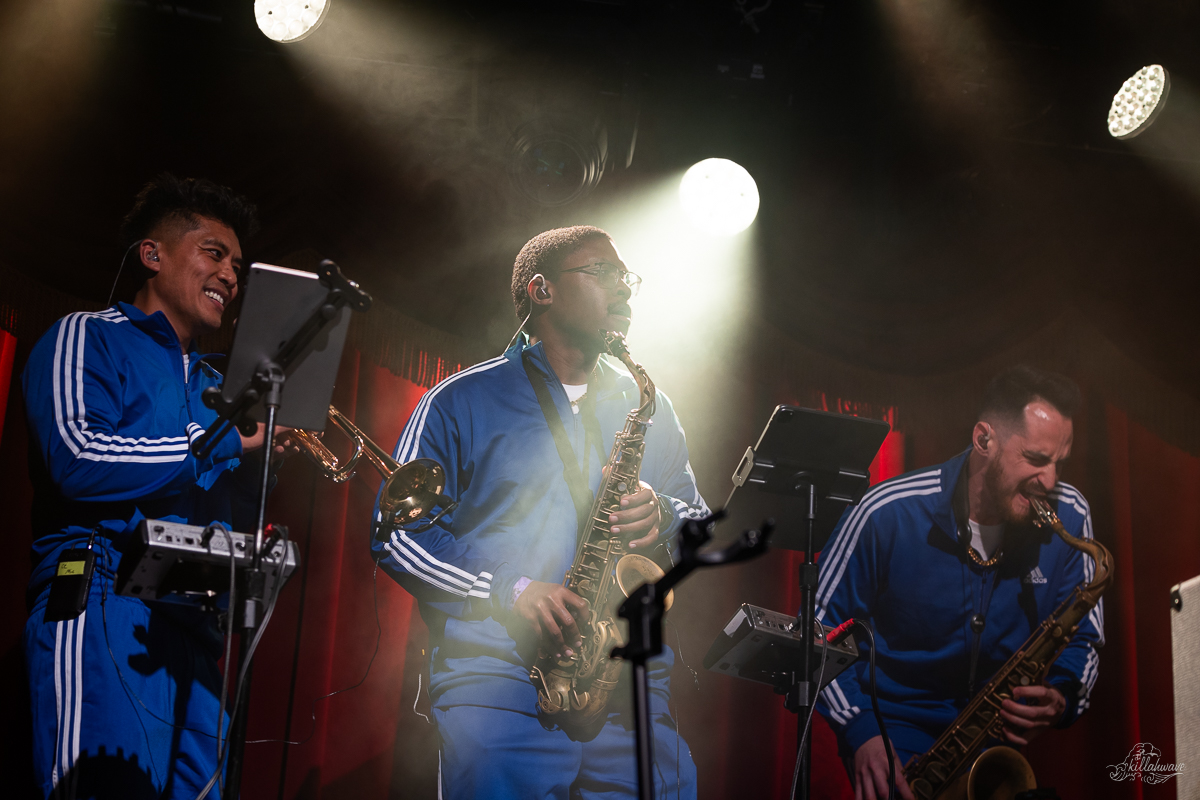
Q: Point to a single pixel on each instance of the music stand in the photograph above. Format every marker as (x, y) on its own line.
(293, 328)
(823, 459)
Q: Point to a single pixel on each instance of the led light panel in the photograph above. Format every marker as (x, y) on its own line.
(1138, 101)
(289, 20)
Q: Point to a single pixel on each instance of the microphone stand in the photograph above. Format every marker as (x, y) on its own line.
(267, 385)
(645, 608)
(802, 694)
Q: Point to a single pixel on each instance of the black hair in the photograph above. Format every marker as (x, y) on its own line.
(544, 253)
(169, 199)
(1008, 393)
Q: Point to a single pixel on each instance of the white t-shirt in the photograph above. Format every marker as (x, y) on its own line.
(985, 539)
(574, 392)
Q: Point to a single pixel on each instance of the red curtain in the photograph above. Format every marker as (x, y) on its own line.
(323, 633)
(8, 351)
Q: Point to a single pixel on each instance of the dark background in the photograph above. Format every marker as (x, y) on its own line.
(936, 178)
(940, 198)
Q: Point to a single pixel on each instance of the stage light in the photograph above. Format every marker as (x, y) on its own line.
(719, 196)
(554, 160)
(289, 20)
(1138, 102)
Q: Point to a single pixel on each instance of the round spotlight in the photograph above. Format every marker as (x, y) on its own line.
(1138, 101)
(719, 196)
(553, 160)
(289, 20)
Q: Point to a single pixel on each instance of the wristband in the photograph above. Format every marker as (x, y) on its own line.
(519, 587)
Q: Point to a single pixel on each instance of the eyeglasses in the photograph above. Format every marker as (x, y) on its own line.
(607, 275)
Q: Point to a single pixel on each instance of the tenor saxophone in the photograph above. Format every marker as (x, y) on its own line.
(957, 766)
(575, 689)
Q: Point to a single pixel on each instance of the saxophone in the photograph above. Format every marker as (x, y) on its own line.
(1000, 773)
(575, 689)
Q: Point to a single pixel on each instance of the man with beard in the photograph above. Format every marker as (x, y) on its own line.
(488, 575)
(947, 565)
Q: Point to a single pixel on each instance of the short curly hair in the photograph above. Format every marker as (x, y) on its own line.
(168, 199)
(1008, 393)
(544, 253)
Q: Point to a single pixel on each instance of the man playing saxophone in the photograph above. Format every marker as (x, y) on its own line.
(947, 565)
(523, 438)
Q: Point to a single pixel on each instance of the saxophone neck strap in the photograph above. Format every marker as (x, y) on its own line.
(576, 480)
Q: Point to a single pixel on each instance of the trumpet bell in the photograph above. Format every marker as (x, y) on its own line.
(412, 491)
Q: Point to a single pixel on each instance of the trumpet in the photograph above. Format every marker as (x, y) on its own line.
(409, 490)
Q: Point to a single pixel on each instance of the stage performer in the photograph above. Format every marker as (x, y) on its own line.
(489, 575)
(125, 693)
(946, 564)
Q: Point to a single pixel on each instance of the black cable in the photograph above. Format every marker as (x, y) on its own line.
(378, 638)
(120, 268)
(228, 642)
(130, 694)
(811, 708)
(243, 670)
(678, 719)
(887, 741)
(682, 657)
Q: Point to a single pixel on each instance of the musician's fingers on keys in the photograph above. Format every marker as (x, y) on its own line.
(1026, 721)
(639, 518)
(552, 609)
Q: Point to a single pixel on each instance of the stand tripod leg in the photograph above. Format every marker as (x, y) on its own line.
(237, 729)
(806, 690)
(641, 713)
(255, 581)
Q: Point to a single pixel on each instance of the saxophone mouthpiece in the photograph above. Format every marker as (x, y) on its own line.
(1043, 514)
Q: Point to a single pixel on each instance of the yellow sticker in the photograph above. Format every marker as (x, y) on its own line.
(71, 568)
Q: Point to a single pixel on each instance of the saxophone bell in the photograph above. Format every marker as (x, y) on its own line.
(633, 570)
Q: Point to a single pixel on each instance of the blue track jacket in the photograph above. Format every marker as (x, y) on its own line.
(515, 516)
(896, 559)
(113, 405)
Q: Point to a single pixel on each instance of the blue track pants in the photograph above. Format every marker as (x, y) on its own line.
(494, 754)
(95, 733)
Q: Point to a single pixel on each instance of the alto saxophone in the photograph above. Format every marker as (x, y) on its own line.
(1000, 773)
(575, 689)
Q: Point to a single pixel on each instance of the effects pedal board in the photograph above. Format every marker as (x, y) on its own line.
(764, 646)
(190, 560)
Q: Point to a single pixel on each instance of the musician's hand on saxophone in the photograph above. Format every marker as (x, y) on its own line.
(871, 772)
(1024, 723)
(553, 610)
(639, 519)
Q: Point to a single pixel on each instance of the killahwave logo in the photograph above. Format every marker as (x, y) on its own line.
(1142, 764)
